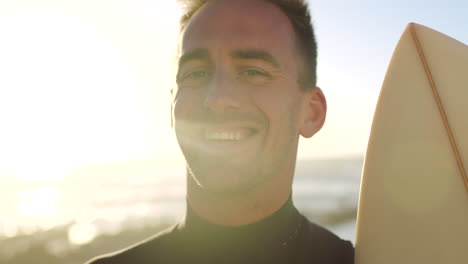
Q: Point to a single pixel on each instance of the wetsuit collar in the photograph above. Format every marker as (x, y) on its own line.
(275, 232)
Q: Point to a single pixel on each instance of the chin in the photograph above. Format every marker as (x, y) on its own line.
(224, 180)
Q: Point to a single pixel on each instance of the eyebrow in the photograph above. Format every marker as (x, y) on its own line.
(196, 54)
(254, 54)
(245, 54)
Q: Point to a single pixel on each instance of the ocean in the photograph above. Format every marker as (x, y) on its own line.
(108, 199)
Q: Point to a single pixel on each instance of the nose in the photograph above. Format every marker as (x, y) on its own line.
(222, 95)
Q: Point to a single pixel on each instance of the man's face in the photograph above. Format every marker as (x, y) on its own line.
(238, 107)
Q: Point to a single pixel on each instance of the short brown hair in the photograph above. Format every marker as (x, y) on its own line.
(298, 13)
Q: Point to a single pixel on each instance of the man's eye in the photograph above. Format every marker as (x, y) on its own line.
(253, 73)
(196, 75)
(254, 76)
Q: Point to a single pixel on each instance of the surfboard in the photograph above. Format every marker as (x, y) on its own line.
(413, 204)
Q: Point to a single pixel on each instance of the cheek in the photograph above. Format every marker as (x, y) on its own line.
(282, 111)
(178, 110)
(272, 107)
(275, 102)
(184, 103)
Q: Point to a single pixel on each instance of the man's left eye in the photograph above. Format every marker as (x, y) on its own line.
(253, 73)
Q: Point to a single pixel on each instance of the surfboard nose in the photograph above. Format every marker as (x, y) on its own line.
(413, 204)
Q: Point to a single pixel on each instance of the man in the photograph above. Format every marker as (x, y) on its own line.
(246, 91)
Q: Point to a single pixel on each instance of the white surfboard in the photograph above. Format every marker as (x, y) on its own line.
(413, 205)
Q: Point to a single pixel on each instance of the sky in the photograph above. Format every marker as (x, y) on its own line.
(87, 82)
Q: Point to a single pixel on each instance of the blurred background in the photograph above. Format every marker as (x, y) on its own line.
(88, 161)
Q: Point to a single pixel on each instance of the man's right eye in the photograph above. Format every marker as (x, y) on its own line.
(198, 74)
(194, 75)
(194, 78)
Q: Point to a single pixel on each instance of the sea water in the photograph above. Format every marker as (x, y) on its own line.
(110, 198)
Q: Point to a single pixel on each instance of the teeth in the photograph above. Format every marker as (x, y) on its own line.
(226, 136)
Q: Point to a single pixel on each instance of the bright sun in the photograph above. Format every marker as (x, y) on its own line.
(74, 90)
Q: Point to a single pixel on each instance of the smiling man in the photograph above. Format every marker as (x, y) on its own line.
(246, 91)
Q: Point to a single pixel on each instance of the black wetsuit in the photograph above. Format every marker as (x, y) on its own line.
(284, 237)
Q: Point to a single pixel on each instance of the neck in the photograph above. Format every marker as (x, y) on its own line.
(240, 209)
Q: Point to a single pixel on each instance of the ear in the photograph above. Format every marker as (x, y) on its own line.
(314, 111)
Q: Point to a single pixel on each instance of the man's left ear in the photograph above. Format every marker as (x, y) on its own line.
(313, 113)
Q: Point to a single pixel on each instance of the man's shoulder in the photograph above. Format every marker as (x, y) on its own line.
(324, 246)
(142, 251)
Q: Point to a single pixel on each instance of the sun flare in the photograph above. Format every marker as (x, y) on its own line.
(76, 91)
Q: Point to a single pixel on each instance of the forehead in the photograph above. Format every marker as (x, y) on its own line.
(236, 24)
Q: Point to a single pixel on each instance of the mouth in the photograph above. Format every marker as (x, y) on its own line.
(229, 134)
